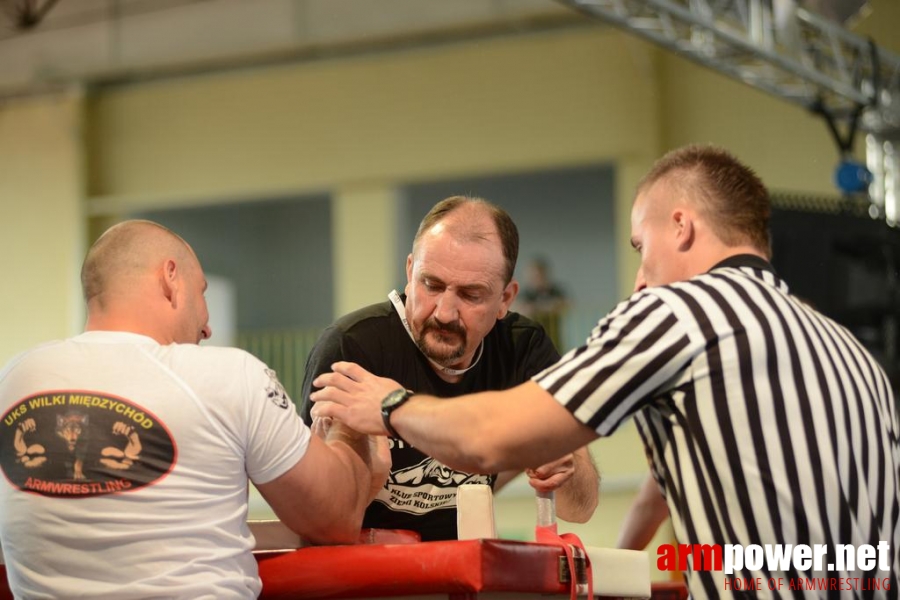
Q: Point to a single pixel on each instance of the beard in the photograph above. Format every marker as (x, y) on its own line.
(451, 338)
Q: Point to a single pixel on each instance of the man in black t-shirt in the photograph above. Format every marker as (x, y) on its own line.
(450, 334)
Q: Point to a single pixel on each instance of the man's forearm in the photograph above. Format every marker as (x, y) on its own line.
(358, 458)
(450, 430)
(577, 498)
(647, 512)
(357, 442)
(490, 432)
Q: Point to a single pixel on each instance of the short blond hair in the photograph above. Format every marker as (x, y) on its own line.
(728, 193)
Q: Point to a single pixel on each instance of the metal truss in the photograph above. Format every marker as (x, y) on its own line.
(789, 52)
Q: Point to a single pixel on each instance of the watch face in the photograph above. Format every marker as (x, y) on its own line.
(394, 398)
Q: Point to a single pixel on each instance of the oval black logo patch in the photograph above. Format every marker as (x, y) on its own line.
(75, 444)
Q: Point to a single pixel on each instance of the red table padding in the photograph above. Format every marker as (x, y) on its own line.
(372, 570)
(668, 590)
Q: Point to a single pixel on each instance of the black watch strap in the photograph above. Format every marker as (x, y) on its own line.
(392, 402)
(386, 417)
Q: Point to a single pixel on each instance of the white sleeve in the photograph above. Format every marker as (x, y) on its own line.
(276, 436)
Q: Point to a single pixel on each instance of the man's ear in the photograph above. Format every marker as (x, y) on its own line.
(684, 229)
(509, 294)
(409, 268)
(169, 282)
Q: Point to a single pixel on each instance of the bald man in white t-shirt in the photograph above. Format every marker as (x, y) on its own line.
(128, 450)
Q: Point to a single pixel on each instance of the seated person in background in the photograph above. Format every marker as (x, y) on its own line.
(127, 449)
(452, 334)
(543, 300)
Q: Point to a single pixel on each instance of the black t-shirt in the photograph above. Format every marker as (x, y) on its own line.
(420, 493)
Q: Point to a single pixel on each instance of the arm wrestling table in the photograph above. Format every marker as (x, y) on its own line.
(485, 569)
(453, 570)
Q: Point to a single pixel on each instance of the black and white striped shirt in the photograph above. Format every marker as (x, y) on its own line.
(765, 422)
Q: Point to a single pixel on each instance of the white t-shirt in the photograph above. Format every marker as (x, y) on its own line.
(126, 467)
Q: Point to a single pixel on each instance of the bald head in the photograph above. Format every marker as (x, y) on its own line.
(126, 252)
(142, 278)
(469, 219)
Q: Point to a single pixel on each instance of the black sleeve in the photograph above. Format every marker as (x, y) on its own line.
(332, 346)
(540, 353)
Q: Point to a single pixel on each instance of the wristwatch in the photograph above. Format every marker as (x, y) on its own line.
(392, 402)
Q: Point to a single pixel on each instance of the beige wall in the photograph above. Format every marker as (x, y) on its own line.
(496, 106)
(880, 23)
(41, 220)
(787, 145)
(367, 215)
(501, 105)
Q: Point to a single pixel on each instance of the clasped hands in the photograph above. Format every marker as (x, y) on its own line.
(352, 395)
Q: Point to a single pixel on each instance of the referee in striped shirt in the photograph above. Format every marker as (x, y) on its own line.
(765, 422)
